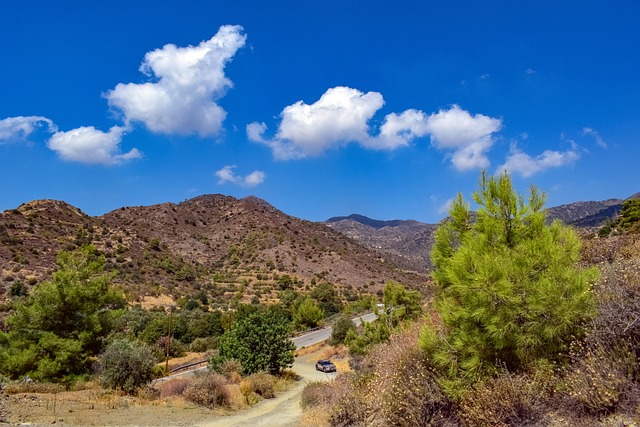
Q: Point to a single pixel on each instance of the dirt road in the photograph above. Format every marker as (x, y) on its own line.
(282, 411)
(91, 408)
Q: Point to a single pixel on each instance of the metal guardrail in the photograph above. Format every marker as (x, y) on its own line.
(191, 365)
(187, 366)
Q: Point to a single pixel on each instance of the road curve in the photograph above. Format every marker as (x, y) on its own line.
(301, 341)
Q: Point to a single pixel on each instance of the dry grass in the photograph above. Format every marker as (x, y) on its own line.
(311, 349)
(315, 417)
(32, 387)
(175, 387)
(162, 300)
(506, 400)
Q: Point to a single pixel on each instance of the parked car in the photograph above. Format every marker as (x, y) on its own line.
(325, 366)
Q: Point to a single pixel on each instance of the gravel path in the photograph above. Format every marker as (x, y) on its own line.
(282, 411)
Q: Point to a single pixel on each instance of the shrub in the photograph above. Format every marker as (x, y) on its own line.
(209, 390)
(263, 384)
(316, 393)
(505, 400)
(148, 393)
(599, 379)
(126, 365)
(200, 345)
(405, 386)
(231, 369)
(340, 328)
(350, 405)
(174, 387)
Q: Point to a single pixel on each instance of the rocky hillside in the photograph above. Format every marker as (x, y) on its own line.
(214, 245)
(412, 240)
(409, 240)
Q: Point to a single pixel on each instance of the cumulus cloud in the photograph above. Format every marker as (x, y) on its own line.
(340, 116)
(89, 145)
(398, 130)
(591, 132)
(19, 128)
(526, 165)
(185, 84)
(226, 174)
(467, 138)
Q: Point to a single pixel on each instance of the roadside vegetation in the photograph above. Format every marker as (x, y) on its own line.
(78, 331)
(530, 325)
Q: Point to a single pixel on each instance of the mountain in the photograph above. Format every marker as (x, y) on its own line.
(586, 214)
(215, 245)
(411, 241)
(408, 240)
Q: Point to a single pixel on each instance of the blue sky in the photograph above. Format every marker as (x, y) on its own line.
(386, 109)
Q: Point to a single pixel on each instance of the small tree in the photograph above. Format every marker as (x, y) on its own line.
(308, 314)
(509, 289)
(63, 323)
(126, 365)
(259, 340)
(341, 328)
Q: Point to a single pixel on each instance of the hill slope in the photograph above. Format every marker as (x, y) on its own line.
(213, 244)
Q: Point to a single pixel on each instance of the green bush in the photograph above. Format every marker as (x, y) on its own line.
(126, 365)
(259, 340)
(341, 328)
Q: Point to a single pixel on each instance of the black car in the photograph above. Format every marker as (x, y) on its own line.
(325, 366)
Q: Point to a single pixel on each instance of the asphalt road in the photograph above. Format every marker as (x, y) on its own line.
(320, 335)
(305, 340)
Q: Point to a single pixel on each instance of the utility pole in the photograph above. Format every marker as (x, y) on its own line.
(168, 345)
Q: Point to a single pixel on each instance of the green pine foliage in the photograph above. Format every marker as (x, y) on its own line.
(259, 340)
(55, 331)
(509, 289)
(629, 219)
(308, 314)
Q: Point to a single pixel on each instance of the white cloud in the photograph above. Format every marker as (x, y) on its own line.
(19, 128)
(398, 130)
(186, 83)
(526, 165)
(226, 174)
(91, 146)
(591, 132)
(468, 137)
(339, 117)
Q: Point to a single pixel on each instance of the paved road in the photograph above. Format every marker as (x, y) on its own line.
(320, 335)
(305, 340)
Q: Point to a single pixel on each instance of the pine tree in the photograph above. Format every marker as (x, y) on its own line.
(510, 291)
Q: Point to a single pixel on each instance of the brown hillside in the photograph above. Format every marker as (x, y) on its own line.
(214, 245)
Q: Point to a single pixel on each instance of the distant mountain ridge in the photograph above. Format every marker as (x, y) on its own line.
(412, 240)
